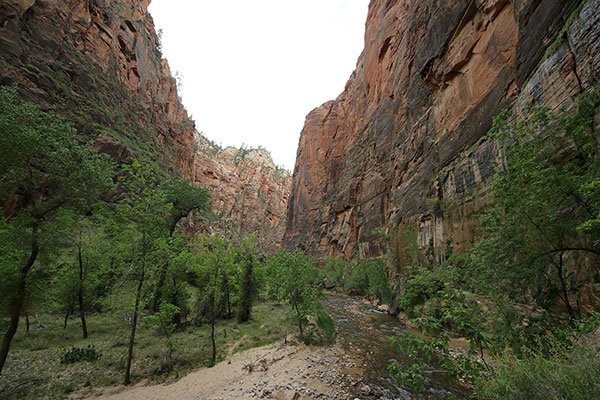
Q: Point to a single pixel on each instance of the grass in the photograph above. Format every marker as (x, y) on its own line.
(570, 375)
(33, 368)
(325, 332)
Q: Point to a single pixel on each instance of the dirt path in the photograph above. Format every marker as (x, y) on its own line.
(278, 372)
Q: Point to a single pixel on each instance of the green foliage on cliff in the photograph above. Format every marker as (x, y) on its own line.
(535, 244)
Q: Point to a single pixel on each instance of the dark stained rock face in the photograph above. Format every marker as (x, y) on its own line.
(404, 146)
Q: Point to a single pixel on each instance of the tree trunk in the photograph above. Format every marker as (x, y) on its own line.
(162, 275)
(299, 320)
(133, 326)
(564, 289)
(67, 318)
(177, 318)
(228, 301)
(248, 293)
(15, 307)
(26, 322)
(80, 296)
(212, 327)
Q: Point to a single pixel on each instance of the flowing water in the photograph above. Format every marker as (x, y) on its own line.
(364, 335)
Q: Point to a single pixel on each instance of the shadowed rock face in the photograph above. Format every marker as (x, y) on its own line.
(249, 193)
(98, 63)
(404, 147)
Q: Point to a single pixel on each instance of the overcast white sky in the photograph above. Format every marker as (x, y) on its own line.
(252, 70)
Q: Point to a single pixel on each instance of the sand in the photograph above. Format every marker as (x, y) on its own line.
(277, 371)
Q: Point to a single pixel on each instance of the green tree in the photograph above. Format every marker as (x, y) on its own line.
(83, 272)
(246, 257)
(142, 213)
(185, 198)
(44, 170)
(214, 257)
(534, 239)
(65, 290)
(87, 260)
(336, 271)
(291, 279)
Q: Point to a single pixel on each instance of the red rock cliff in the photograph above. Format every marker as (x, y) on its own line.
(403, 147)
(249, 193)
(98, 63)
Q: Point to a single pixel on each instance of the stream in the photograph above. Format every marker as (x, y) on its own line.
(364, 333)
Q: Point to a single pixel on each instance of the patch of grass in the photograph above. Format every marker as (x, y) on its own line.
(573, 375)
(68, 388)
(33, 368)
(325, 329)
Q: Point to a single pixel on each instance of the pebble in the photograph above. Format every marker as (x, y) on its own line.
(366, 390)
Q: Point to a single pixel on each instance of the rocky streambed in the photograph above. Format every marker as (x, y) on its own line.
(364, 351)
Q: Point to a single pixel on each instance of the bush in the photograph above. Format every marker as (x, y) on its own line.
(358, 280)
(77, 354)
(369, 277)
(419, 288)
(573, 375)
(336, 271)
(324, 331)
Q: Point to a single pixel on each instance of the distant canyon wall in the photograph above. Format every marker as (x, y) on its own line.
(249, 193)
(403, 147)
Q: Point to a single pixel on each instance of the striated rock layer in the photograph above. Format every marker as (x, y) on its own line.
(404, 146)
(249, 193)
(98, 63)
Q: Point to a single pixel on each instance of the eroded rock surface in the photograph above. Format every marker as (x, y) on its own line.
(98, 63)
(404, 147)
(249, 193)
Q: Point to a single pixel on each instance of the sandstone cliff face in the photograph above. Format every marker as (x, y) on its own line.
(249, 193)
(98, 63)
(404, 147)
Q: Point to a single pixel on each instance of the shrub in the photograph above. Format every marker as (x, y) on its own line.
(77, 354)
(336, 271)
(324, 331)
(419, 288)
(369, 277)
(574, 375)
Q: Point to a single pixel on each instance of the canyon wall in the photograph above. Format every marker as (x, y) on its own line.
(249, 193)
(404, 146)
(98, 63)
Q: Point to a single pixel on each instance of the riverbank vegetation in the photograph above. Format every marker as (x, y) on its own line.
(358, 278)
(101, 281)
(519, 295)
(103, 284)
